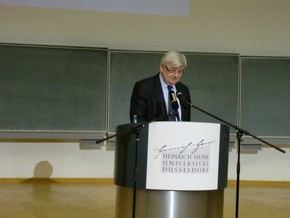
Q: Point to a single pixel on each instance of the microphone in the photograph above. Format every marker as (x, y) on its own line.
(181, 97)
(173, 100)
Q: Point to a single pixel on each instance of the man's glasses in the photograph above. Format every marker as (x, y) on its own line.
(174, 70)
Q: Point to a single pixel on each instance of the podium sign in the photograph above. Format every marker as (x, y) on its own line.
(173, 156)
(183, 156)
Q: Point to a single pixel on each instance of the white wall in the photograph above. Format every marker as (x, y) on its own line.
(266, 165)
(248, 27)
(19, 160)
(259, 27)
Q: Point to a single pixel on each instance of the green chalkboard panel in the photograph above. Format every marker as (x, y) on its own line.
(213, 83)
(45, 88)
(211, 78)
(265, 95)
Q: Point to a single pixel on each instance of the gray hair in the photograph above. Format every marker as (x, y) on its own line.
(175, 58)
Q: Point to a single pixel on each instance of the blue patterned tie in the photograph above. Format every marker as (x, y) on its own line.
(171, 117)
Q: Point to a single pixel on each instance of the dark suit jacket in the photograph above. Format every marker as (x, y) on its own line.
(147, 101)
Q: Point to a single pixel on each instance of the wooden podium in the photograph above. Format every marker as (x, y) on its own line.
(171, 170)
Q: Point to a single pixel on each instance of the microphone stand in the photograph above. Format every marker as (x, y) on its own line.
(239, 134)
(136, 127)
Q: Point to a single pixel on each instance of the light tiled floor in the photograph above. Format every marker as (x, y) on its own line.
(82, 200)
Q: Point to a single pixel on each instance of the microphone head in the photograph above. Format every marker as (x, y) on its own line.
(181, 97)
(173, 101)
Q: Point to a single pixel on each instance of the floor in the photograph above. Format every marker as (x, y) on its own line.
(49, 199)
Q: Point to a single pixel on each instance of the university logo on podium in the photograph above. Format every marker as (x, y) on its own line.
(183, 156)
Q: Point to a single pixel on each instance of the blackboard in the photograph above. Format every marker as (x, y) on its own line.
(211, 78)
(86, 91)
(50, 88)
(265, 95)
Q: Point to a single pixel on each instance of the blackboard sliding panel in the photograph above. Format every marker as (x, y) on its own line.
(265, 97)
(212, 80)
(52, 91)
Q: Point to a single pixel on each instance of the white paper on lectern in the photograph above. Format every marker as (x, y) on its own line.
(183, 156)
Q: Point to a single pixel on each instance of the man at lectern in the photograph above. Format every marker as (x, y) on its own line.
(154, 98)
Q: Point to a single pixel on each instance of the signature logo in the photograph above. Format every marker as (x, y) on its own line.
(182, 149)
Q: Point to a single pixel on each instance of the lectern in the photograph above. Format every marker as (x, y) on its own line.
(171, 170)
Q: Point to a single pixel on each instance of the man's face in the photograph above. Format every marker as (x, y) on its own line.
(171, 75)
